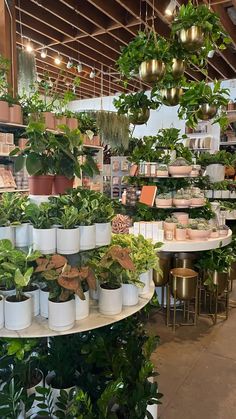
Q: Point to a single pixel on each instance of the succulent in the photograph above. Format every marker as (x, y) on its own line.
(164, 196)
(171, 220)
(181, 226)
(180, 162)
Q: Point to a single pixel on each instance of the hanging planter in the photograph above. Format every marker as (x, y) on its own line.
(110, 300)
(192, 38)
(82, 306)
(61, 184)
(15, 113)
(152, 71)
(61, 315)
(171, 96)
(18, 314)
(178, 68)
(207, 111)
(139, 117)
(136, 106)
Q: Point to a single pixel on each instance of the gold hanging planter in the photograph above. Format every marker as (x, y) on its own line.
(178, 68)
(140, 116)
(171, 96)
(207, 111)
(192, 38)
(183, 283)
(151, 71)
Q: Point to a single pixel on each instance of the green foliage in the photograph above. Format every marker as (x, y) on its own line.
(69, 218)
(12, 399)
(219, 259)
(40, 216)
(12, 208)
(220, 157)
(129, 103)
(87, 122)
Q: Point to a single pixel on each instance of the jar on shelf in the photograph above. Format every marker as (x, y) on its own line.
(153, 169)
(147, 169)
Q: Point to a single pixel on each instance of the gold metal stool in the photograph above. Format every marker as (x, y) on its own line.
(184, 287)
(160, 280)
(211, 299)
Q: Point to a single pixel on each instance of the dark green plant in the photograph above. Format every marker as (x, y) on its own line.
(40, 216)
(68, 218)
(13, 206)
(220, 157)
(87, 122)
(13, 399)
(130, 103)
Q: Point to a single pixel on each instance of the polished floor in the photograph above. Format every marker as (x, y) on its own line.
(197, 368)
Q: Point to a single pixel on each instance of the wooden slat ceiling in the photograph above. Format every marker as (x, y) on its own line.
(93, 31)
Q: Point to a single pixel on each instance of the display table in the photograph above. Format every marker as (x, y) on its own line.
(39, 327)
(195, 246)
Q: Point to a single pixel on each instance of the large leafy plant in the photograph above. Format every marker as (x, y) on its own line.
(220, 157)
(40, 216)
(130, 103)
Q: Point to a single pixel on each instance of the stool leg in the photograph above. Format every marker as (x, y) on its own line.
(174, 322)
(167, 305)
(188, 308)
(196, 307)
(216, 306)
(227, 301)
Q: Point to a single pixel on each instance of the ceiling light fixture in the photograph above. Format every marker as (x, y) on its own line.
(57, 60)
(50, 82)
(69, 64)
(171, 8)
(79, 68)
(92, 74)
(43, 53)
(29, 47)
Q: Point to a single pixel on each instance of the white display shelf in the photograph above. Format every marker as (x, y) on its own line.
(195, 246)
(228, 143)
(39, 327)
(198, 135)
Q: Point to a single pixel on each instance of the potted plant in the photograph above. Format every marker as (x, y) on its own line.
(71, 120)
(197, 199)
(170, 224)
(181, 199)
(103, 217)
(4, 87)
(169, 90)
(61, 304)
(214, 164)
(68, 232)
(179, 168)
(15, 111)
(38, 159)
(214, 233)
(197, 26)
(13, 205)
(181, 232)
(182, 217)
(44, 234)
(198, 231)
(87, 229)
(223, 230)
(162, 170)
(164, 200)
(6, 230)
(60, 115)
(136, 105)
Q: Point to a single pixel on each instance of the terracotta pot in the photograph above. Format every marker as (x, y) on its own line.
(198, 235)
(96, 140)
(182, 217)
(197, 201)
(183, 283)
(133, 170)
(181, 234)
(192, 38)
(16, 116)
(49, 120)
(181, 202)
(171, 97)
(179, 171)
(207, 111)
(214, 234)
(161, 173)
(4, 111)
(162, 202)
(41, 185)
(169, 226)
(140, 116)
(178, 68)
(231, 106)
(60, 121)
(61, 184)
(151, 71)
(72, 123)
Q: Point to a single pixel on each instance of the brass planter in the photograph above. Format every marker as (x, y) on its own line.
(219, 279)
(192, 38)
(140, 116)
(183, 283)
(184, 260)
(151, 71)
(165, 263)
(207, 111)
(232, 272)
(178, 68)
(171, 96)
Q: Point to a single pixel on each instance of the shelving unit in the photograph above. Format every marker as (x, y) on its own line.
(195, 246)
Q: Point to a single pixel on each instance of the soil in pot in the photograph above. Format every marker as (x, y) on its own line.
(41, 185)
(61, 184)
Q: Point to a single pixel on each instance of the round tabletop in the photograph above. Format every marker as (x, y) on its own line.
(195, 246)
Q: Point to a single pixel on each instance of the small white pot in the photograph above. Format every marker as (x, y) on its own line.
(1, 311)
(18, 315)
(217, 194)
(82, 307)
(7, 233)
(32, 390)
(225, 194)
(145, 278)
(209, 193)
(38, 199)
(68, 241)
(30, 230)
(103, 234)
(61, 316)
(43, 303)
(55, 391)
(129, 295)
(152, 408)
(44, 240)
(34, 294)
(216, 172)
(232, 195)
(110, 301)
(87, 235)
(22, 235)
(7, 293)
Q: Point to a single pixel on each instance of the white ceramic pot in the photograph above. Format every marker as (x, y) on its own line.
(110, 301)
(225, 194)
(34, 294)
(30, 230)
(152, 408)
(18, 315)
(216, 172)
(87, 237)
(145, 278)
(217, 194)
(68, 241)
(129, 295)
(55, 391)
(103, 234)
(38, 199)
(61, 316)
(7, 233)
(209, 193)
(22, 235)
(82, 307)
(44, 240)
(1, 311)
(232, 195)
(43, 303)
(32, 390)
(7, 293)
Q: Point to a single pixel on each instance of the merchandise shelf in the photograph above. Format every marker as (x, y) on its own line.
(195, 246)
(39, 327)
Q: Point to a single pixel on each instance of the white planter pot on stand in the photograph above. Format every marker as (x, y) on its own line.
(110, 301)
(87, 237)
(61, 316)
(34, 294)
(43, 302)
(216, 172)
(103, 234)
(44, 240)
(145, 279)
(32, 390)
(82, 307)
(7, 233)
(68, 241)
(129, 295)
(18, 314)
(55, 391)
(22, 235)
(1, 311)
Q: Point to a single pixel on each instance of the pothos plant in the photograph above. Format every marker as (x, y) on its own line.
(130, 103)
(200, 93)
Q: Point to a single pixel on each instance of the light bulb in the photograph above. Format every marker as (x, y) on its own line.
(43, 53)
(29, 47)
(79, 68)
(69, 64)
(92, 74)
(50, 82)
(171, 8)
(57, 60)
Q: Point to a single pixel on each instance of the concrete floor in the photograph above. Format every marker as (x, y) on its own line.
(197, 368)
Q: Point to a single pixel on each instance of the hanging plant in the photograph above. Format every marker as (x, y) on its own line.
(200, 101)
(26, 71)
(113, 128)
(136, 105)
(198, 26)
(169, 90)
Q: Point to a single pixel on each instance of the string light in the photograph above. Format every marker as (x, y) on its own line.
(69, 64)
(43, 53)
(79, 68)
(171, 8)
(57, 60)
(29, 47)
(92, 74)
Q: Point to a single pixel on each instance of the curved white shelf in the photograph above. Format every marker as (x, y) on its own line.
(39, 327)
(195, 246)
